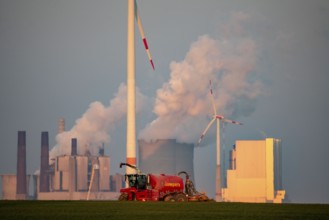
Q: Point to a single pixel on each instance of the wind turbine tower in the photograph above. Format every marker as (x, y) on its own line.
(131, 88)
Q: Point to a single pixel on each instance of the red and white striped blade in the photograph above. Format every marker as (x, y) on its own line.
(232, 122)
(205, 131)
(141, 31)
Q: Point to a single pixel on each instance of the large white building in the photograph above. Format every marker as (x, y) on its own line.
(255, 173)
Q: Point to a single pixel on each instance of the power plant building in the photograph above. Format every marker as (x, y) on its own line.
(67, 177)
(117, 182)
(166, 156)
(9, 185)
(72, 176)
(255, 173)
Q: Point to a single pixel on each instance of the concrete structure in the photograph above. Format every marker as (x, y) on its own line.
(117, 182)
(166, 156)
(21, 184)
(44, 163)
(61, 125)
(255, 173)
(82, 173)
(71, 175)
(67, 177)
(71, 179)
(104, 173)
(9, 186)
(74, 147)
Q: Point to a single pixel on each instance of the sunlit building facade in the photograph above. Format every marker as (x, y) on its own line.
(255, 173)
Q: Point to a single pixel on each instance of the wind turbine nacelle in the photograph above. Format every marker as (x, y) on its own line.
(219, 116)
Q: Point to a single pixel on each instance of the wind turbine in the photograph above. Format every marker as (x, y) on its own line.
(131, 88)
(218, 119)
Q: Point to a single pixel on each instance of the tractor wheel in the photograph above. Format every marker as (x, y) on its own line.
(123, 197)
(169, 198)
(180, 198)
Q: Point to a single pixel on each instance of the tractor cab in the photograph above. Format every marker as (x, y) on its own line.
(138, 181)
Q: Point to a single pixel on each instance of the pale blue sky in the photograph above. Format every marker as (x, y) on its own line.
(56, 57)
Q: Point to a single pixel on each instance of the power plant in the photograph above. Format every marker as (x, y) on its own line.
(82, 177)
(67, 177)
(254, 174)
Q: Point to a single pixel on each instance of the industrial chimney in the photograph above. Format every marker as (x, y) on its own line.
(74, 150)
(21, 183)
(61, 125)
(44, 178)
(101, 151)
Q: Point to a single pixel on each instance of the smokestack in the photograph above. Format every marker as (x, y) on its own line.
(74, 150)
(61, 125)
(21, 184)
(44, 178)
(101, 150)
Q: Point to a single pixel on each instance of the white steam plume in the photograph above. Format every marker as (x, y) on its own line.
(183, 104)
(92, 129)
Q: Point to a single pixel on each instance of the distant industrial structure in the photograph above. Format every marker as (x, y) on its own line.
(255, 173)
(166, 156)
(67, 177)
(72, 176)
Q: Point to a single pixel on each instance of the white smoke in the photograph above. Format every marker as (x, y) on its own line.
(183, 105)
(92, 129)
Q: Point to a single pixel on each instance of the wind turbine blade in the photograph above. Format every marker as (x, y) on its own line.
(205, 130)
(141, 31)
(232, 122)
(212, 99)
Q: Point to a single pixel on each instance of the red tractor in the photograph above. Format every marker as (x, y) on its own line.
(152, 187)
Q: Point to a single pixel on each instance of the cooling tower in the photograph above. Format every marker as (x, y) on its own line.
(166, 156)
(21, 184)
(44, 178)
(74, 150)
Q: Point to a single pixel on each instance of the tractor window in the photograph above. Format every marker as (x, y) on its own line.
(132, 180)
(141, 182)
(137, 181)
